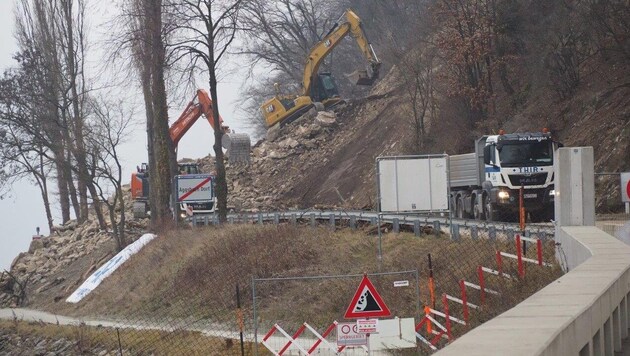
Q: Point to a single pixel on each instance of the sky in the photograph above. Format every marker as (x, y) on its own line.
(22, 211)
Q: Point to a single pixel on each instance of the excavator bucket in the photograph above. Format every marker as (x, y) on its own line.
(238, 146)
(360, 77)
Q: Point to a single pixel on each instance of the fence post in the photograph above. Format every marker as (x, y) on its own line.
(436, 227)
(353, 222)
(455, 236)
(474, 232)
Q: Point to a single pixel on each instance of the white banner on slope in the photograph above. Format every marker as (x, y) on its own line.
(97, 277)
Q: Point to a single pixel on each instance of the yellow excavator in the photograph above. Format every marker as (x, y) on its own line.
(320, 87)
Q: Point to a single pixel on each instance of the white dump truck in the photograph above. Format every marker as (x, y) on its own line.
(485, 184)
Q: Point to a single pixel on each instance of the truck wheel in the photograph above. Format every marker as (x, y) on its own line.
(478, 212)
(490, 209)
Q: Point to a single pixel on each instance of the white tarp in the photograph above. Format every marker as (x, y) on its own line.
(105, 270)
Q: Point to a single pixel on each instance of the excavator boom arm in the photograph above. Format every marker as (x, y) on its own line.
(351, 24)
(200, 105)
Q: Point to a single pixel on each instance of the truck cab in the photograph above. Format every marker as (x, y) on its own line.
(486, 183)
(512, 161)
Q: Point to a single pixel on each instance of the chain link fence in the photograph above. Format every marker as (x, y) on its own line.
(613, 215)
(221, 290)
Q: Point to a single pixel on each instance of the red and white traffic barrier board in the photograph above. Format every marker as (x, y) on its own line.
(292, 340)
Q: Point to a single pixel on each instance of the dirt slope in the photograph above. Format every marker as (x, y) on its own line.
(309, 164)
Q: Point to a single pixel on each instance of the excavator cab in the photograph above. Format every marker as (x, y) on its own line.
(188, 168)
(325, 88)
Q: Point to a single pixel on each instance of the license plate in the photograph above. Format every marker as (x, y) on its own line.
(530, 195)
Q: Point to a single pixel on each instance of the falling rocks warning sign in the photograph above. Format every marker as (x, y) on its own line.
(366, 303)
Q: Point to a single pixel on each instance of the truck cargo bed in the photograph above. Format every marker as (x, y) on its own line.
(464, 170)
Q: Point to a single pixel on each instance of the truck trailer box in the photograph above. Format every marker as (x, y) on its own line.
(464, 170)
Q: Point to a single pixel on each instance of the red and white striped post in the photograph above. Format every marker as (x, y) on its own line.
(448, 319)
(462, 286)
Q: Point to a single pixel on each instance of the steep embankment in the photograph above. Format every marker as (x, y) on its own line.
(324, 159)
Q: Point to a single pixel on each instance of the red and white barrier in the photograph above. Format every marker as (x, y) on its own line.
(519, 255)
(292, 339)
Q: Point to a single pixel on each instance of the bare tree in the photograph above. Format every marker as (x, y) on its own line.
(52, 41)
(145, 39)
(109, 128)
(204, 30)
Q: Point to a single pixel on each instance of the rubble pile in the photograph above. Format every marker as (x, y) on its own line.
(45, 264)
(286, 152)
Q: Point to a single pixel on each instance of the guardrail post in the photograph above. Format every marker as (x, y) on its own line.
(353, 222)
(509, 234)
(474, 232)
(456, 236)
(332, 221)
(193, 221)
(276, 218)
(231, 220)
(396, 225)
(416, 228)
(436, 227)
(313, 222)
(492, 233)
(293, 220)
(260, 218)
(373, 220)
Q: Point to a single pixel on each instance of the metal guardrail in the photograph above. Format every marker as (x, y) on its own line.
(351, 218)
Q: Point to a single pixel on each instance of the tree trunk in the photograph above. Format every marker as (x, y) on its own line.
(162, 165)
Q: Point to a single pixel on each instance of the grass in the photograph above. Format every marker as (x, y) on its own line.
(187, 279)
(136, 342)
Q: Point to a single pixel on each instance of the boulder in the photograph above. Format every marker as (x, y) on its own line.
(35, 245)
(326, 118)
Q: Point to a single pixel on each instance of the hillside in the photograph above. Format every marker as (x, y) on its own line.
(328, 160)
(332, 164)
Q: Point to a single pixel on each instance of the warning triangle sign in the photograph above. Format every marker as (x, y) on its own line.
(366, 302)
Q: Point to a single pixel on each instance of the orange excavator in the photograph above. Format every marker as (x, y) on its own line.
(237, 147)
